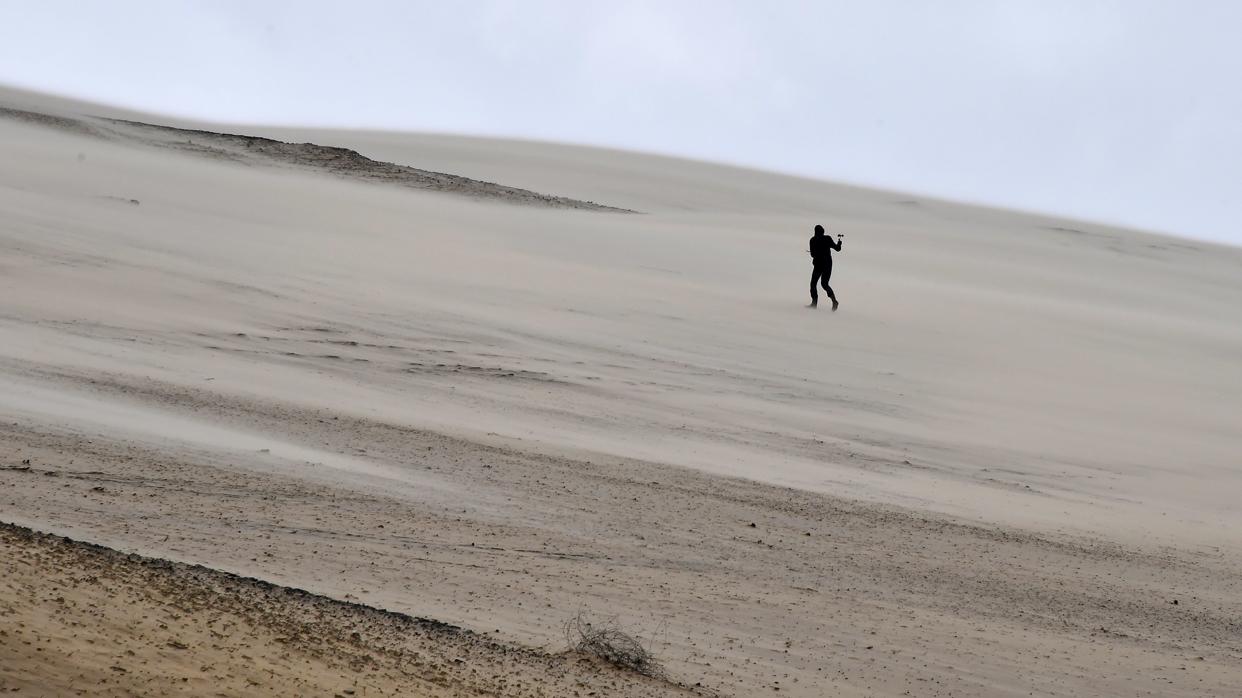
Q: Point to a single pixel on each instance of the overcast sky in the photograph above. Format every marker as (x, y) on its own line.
(1128, 111)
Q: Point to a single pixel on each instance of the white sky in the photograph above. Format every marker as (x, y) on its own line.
(1128, 112)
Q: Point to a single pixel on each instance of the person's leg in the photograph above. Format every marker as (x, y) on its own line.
(815, 282)
(827, 274)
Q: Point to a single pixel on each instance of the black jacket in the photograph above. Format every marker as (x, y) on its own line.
(821, 247)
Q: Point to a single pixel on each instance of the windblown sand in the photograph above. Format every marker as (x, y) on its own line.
(83, 620)
(498, 383)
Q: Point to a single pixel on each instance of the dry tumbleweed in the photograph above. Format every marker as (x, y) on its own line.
(606, 640)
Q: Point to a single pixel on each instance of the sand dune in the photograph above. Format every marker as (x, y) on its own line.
(991, 473)
(253, 150)
(124, 625)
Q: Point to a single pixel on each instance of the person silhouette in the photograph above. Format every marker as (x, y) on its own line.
(821, 247)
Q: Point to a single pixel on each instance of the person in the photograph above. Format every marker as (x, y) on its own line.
(821, 248)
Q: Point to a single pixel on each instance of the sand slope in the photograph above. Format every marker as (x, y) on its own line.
(84, 620)
(1012, 449)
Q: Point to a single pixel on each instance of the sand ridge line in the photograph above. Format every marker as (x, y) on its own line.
(340, 162)
(80, 614)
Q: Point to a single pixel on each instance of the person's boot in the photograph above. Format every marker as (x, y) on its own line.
(813, 304)
(834, 305)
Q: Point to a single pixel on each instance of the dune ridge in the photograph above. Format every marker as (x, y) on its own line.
(82, 618)
(257, 150)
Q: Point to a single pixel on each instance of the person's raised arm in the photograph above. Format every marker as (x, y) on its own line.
(835, 245)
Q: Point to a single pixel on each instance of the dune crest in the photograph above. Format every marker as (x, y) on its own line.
(257, 150)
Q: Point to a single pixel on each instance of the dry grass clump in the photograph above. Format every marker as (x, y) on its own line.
(605, 639)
